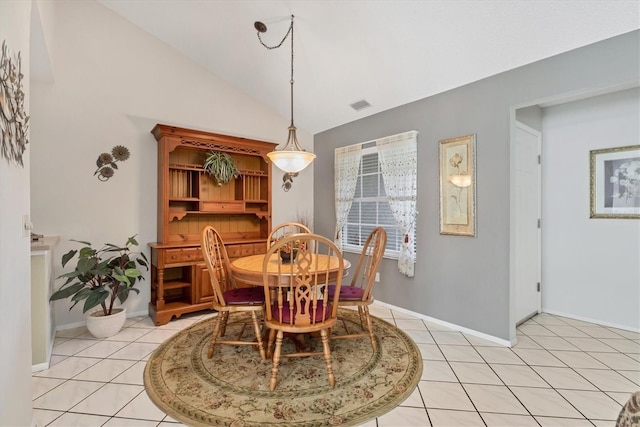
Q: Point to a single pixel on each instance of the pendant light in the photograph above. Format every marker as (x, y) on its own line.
(292, 158)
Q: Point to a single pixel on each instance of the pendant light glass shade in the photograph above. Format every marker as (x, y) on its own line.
(291, 161)
(292, 158)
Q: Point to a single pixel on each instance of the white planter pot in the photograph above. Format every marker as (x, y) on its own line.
(102, 326)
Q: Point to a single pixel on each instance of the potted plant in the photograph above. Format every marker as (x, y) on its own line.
(221, 166)
(99, 278)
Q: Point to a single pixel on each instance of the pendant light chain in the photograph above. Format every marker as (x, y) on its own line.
(290, 31)
(281, 41)
(291, 81)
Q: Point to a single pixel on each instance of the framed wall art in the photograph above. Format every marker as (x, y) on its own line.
(615, 182)
(458, 186)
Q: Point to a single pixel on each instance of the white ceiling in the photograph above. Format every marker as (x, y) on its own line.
(387, 52)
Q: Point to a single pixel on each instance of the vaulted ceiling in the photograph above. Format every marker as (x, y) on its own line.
(388, 53)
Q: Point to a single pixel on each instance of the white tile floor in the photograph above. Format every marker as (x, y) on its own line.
(562, 372)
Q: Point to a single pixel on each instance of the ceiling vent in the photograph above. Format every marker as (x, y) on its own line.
(360, 105)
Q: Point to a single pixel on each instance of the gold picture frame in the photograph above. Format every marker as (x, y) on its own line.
(458, 185)
(614, 177)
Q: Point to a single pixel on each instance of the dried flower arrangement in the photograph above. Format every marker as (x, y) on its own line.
(290, 249)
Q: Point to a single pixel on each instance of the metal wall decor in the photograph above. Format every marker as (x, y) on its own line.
(14, 121)
(107, 162)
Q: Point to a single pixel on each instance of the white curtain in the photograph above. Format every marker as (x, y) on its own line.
(398, 164)
(347, 163)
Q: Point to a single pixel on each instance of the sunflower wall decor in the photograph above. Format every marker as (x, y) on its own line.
(107, 162)
(14, 121)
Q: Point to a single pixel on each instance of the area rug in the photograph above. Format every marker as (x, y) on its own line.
(232, 388)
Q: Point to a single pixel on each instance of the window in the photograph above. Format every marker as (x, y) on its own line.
(370, 209)
(376, 185)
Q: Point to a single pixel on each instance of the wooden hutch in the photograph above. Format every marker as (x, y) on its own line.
(189, 199)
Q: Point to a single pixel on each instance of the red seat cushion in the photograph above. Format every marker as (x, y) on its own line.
(286, 313)
(348, 293)
(253, 295)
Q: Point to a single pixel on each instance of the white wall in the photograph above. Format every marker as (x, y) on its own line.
(15, 274)
(591, 267)
(112, 83)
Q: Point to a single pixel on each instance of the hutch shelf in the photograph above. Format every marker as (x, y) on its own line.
(189, 199)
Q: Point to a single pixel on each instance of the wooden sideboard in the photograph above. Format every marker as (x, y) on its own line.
(189, 199)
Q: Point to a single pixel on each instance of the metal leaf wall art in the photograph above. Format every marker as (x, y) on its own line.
(14, 121)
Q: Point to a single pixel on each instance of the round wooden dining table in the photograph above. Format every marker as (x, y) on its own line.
(249, 269)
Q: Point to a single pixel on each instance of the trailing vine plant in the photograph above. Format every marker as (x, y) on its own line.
(221, 166)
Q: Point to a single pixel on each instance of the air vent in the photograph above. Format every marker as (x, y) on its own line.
(360, 105)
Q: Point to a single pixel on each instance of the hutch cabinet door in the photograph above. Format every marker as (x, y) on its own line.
(203, 291)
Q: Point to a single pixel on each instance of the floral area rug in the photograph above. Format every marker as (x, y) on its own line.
(232, 388)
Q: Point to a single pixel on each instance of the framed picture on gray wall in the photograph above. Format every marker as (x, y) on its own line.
(615, 182)
(458, 186)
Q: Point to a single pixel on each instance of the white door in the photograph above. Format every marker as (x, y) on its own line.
(527, 239)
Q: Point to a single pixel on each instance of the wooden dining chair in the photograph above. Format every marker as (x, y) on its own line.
(227, 297)
(360, 292)
(284, 229)
(298, 301)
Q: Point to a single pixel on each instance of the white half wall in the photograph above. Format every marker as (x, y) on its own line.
(112, 82)
(591, 267)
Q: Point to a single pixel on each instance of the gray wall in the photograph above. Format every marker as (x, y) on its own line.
(530, 116)
(463, 280)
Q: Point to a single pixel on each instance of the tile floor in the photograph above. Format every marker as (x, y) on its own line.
(562, 372)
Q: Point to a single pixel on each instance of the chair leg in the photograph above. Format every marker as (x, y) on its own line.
(362, 317)
(223, 323)
(272, 338)
(276, 361)
(374, 343)
(214, 335)
(327, 356)
(256, 326)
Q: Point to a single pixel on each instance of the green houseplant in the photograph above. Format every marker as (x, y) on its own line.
(102, 276)
(221, 166)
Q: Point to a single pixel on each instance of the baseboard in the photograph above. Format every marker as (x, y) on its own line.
(453, 326)
(83, 323)
(590, 320)
(70, 326)
(40, 367)
(138, 313)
